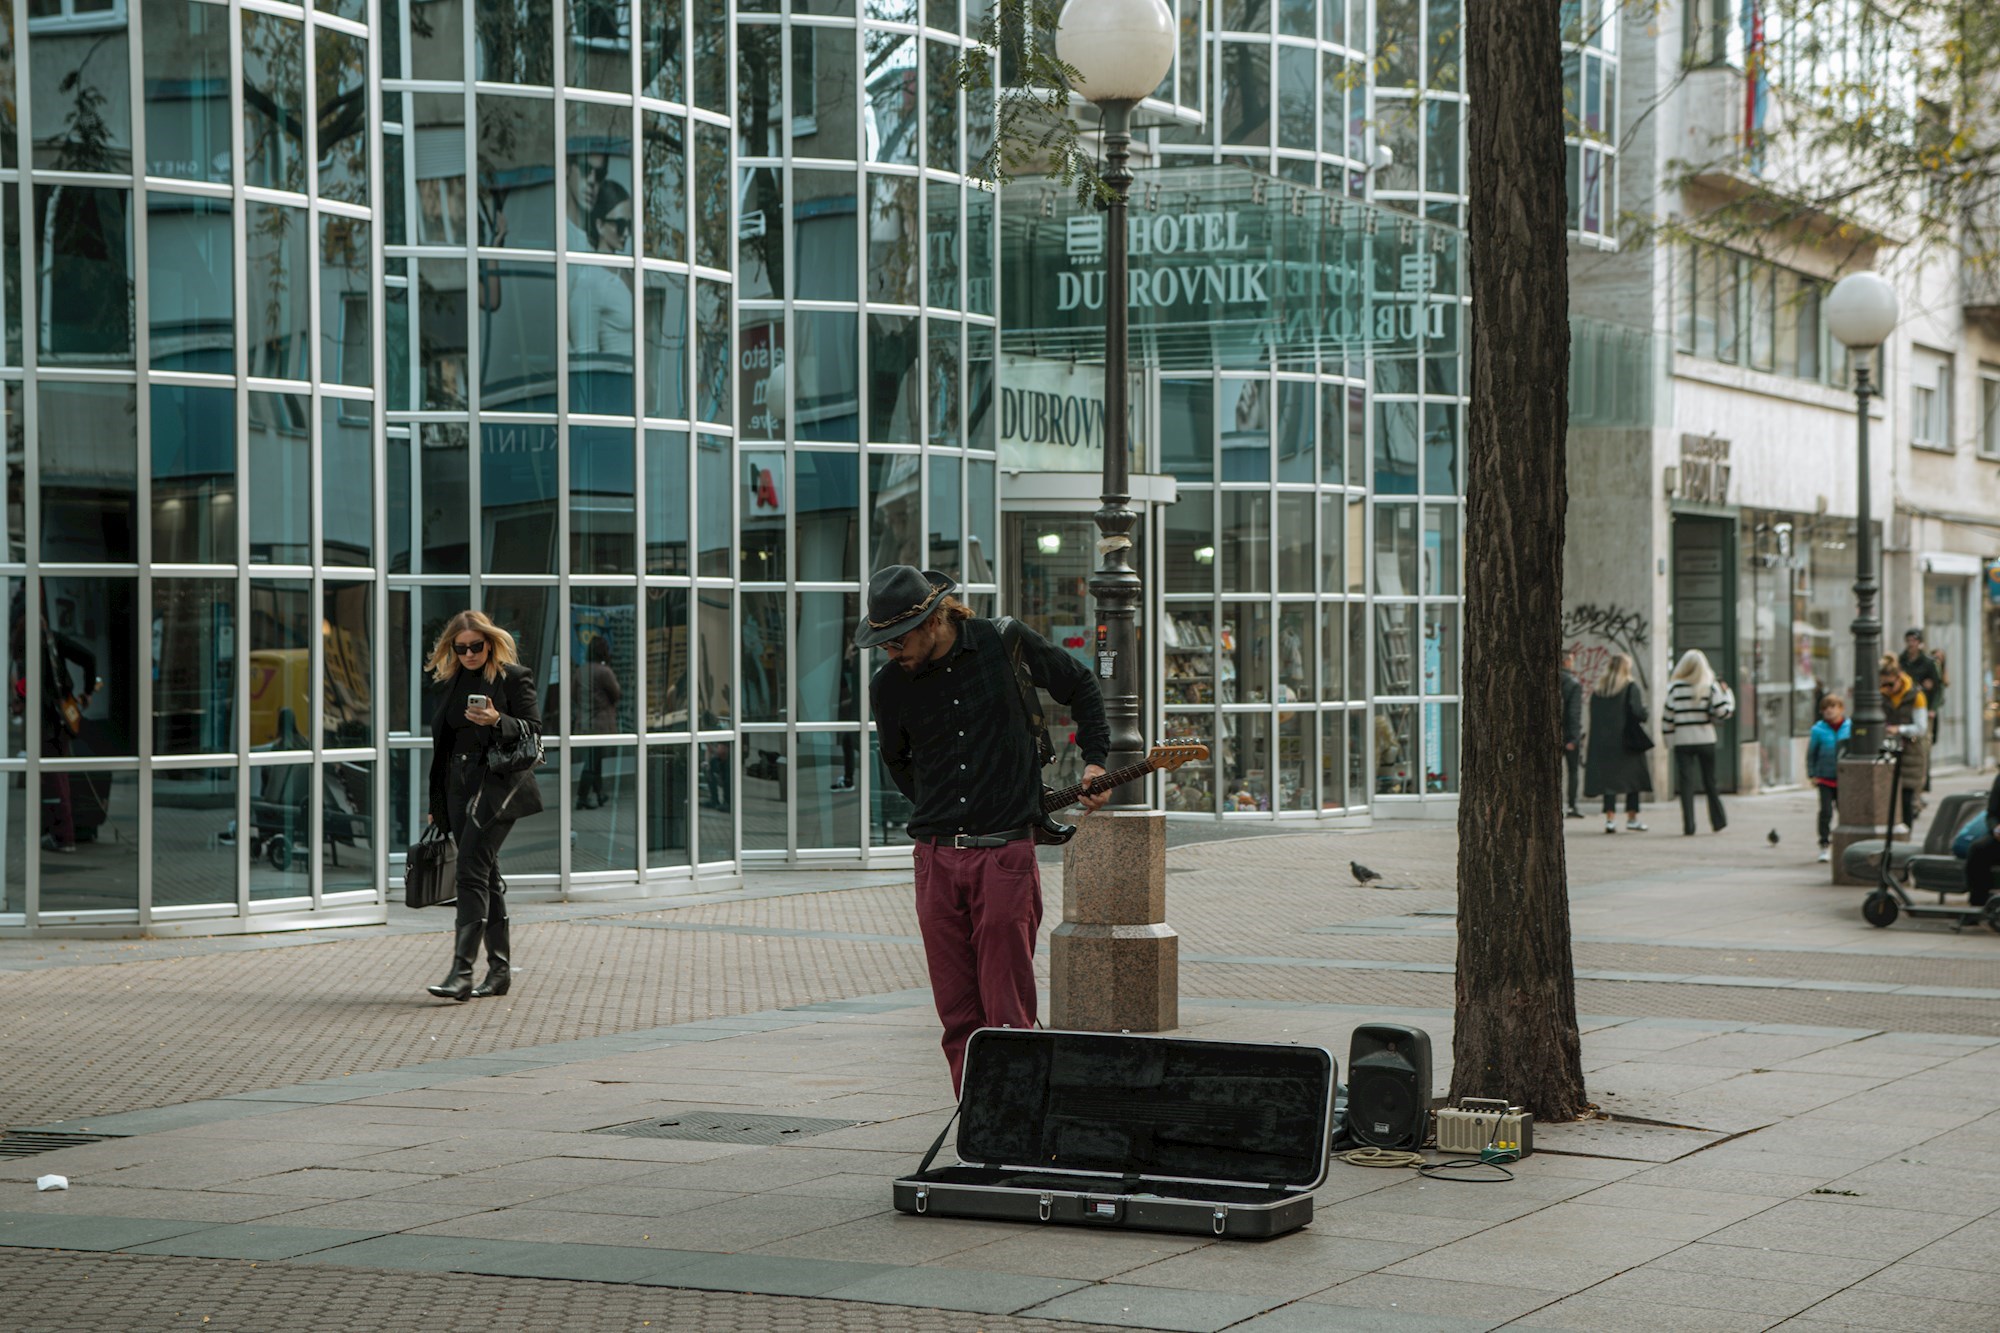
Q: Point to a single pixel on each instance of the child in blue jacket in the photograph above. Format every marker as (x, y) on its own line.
(1829, 737)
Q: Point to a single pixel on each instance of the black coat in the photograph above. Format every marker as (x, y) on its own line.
(1572, 700)
(514, 794)
(1611, 767)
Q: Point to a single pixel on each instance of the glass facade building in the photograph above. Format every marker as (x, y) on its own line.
(659, 324)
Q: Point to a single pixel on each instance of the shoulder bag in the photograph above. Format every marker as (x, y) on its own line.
(430, 874)
(515, 754)
(1637, 739)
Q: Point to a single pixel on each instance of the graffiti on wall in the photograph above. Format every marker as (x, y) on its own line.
(1593, 633)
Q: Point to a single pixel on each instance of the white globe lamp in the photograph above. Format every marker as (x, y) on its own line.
(1120, 49)
(1862, 310)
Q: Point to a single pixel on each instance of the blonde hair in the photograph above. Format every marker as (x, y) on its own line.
(1617, 675)
(954, 610)
(1695, 670)
(500, 650)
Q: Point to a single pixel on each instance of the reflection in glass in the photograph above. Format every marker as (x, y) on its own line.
(101, 871)
(715, 241)
(766, 499)
(760, 86)
(439, 152)
(894, 234)
(667, 659)
(280, 664)
(1395, 448)
(396, 448)
(890, 125)
(347, 344)
(1295, 541)
(347, 631)
(441, 337)
(602, 490)
(10, 264)
(760, 365)
(828, 674)
(896, 525)
(187, 91)
(1333, 544)
(600, 321)
(979, 242)
(941, 115)
(1295, 760)
(83, 249)
(715, 663)
(1191, 787)
(1297, 679)
(529, 614)
(760, 234)
(1187, 428)
(980, 551)
(194, 666)
(1246, 762)
(1333, 651)
(599, 36)
(889, 810)
(512, 42)
(347, 492)
(1190, 543)
(518, 495)
(1395, 649)
(603, 661)
(274, 102)
(517, 301)
(714, 470)
(1246, 430)
(895, 357)
(945, 525)
(666, 345)
(944, 382)
(194, 475)
(666, 502)
(763, 657)
(828, 797)
(713, 361)
(342, 94)
(711, 60)
(81, 91)
(92, 656)
(1441, 551)
(822, 218)
(1244, 541)
(1245, 95)
(517, 153)
(667, 800)
(604, 829)
(1245, 639)
(660, 52)
(280, 484)
(1396, 550)
(194, 856)
(823, 118)
(535, 847)
(277, 244)
(1440, 449)
(1440, 674)
(666, 186)
(1395, 750)
(1332, 424)
(825, 382)
(447, 546)
(437, 39)
(1295, 427)
(715, 778)
(1333, 761)
(348, 821)
(89, 487)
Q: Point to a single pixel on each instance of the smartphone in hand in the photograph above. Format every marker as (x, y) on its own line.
(476, 701)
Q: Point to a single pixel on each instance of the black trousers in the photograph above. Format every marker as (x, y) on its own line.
(1829, 799)
(482, 898)
(1687, 760)
(1979, 863)
(1631, 804)
(1573, 761)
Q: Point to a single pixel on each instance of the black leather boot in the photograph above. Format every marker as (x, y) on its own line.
(498, 973)
(465, 949)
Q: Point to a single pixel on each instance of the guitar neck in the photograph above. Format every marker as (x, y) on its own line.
(1056, 800)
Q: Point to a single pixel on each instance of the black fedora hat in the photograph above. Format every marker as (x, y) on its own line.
(900, 598)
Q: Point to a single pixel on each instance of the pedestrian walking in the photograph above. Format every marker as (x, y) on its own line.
(488, 701)
(955, 742)
(601, 694)
(1823, 750)
(1616, 763)
(1926, 670)
(1572, 703)
(1906, 714)
(1695, 702)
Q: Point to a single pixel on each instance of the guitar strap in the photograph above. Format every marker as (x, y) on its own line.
(1025, 694)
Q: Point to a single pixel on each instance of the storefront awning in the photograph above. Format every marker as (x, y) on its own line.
(1229, 268)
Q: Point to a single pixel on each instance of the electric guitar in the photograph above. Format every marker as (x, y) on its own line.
(1162, 757)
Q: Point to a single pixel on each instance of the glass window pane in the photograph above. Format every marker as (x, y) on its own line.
(764, 790)
(1441, 552)
(826, 392)
(823, 119)
(1295, 541)
(83, 250)
(941, 112)
(274, 102)
(760, 379)
(347, 865)
(599, 34)
(944, 382)
(715, 240)
(1396, 551)
(1297, 644)
(980, 551)
(765, 501)
(194, 666)
(1332, 544)
(1246, 430)
(979, 252)
(437, 40)
(1187, 426)
(80, 86)
(666, 346)
(1441, 449)
(1245, 639)
(187, 91)
(280, 484)
(661, 34)
(517, 328)
(95, 816)
(946, 527)
(763, 657)
(347, 344)
(1192, 786)
(889, 812)
(194, 475)
(1245, 541)
(829, 803)
(1395, 448)
(1295, 431)
(667, 659)
(536, 845)
(1396, 756)
(1296, 734)
(1333, 760)
(895, 525)
(895, 359)
(91, 642)
(10, 265)
(397, 450)
(828, 515)
(1190, 648)
(347, 492)
(894, 235)
(519, 489)
(599, 146)
(823, 239)
(604, 827)
(1245, 95)
(90, 487)
(517, 152)
(1441, 121)
(711, 60)
(1357, 757)
(342, 125)
(760, 88)
(715, 663)
(666, 502)
(667, 800)
(603, 661)
(828, 679)
(666, 186)
(760, 234)
(347, 628)
(1395, 649)
(602, 487)
(600, 323)
(1190, 541)
(280, 664)
(1440, 650)
(715, 467)
(890, 123)
(511, 41)
(447, 546)
(277, 245)
(194, 847)
(713, 353)
(529, 614)
(979, 416)
(1333, 651)
(1298, 98)
(1246, 762)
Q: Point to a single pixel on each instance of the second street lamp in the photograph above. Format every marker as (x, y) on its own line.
(1120, 50)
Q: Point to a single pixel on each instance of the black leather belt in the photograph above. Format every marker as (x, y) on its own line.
(963, 840)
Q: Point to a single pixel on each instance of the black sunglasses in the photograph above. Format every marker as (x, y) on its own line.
(468, 649)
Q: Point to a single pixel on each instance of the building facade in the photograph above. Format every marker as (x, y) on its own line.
(661, 325)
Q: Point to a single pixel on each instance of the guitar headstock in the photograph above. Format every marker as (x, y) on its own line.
(1172, 754)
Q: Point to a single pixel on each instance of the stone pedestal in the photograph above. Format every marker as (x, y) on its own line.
(1867, 801)
(1114, 963)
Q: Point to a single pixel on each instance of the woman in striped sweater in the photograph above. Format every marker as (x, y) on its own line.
(1695, 702)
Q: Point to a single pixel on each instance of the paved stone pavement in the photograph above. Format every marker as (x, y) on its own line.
(1807, 1131)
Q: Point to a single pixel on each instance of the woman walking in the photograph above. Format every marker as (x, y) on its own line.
(1695, 702)
(488, 699)
(1617, 763)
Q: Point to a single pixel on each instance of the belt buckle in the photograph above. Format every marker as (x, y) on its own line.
(962, 841)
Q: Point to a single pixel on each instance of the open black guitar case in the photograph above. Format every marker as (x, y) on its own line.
(1213, 1138)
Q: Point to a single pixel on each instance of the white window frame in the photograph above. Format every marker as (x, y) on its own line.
(1930, 400)
(1989, 411)
(71, 21)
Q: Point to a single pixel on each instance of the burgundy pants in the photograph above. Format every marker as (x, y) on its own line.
(979, 909)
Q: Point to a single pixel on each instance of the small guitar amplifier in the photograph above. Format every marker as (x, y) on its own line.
(1478, 1123)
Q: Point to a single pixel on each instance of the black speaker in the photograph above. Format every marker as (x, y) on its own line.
(1389, 1086)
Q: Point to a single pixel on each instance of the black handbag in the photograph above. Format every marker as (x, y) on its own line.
(1637, 739)
(516, 755)
(430, 874)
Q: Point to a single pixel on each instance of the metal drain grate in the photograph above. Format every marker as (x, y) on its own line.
(724, 1127)
(28, 1142)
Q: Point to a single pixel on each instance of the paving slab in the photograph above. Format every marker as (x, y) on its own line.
(250, 1240)
(972, 1290)
(1125, 1306)
(52, 1232)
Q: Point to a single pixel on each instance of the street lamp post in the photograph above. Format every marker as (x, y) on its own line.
(1120, 49)
(1861, 312)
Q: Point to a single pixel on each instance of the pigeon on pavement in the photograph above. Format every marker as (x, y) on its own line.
(1772, 837)
(1362, 874)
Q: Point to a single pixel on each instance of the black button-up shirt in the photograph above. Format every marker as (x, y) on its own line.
(953, 735)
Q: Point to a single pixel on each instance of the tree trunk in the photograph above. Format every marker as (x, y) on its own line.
(1515, 1032)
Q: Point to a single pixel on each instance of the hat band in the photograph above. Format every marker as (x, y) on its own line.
(900, 617)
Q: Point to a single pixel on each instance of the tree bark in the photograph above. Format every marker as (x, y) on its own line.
(1515, 1033)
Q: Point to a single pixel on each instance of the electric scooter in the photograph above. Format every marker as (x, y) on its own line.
(1890, 897)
